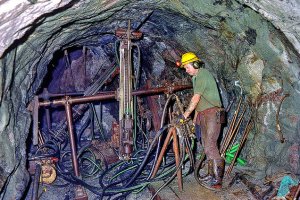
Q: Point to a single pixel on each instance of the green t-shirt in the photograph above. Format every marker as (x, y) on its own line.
(205, 85)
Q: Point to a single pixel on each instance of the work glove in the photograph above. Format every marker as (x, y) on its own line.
(180, 119)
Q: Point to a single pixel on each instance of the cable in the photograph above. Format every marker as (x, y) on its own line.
(174, 174)
(147, 155)
(44, 155)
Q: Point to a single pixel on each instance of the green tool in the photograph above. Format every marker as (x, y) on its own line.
(230, 155)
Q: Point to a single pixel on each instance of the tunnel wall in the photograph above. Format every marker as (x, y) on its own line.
(236, 43)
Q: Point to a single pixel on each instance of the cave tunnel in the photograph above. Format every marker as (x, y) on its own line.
(90, 92)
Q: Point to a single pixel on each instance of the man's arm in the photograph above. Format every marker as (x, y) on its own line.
(193, 104)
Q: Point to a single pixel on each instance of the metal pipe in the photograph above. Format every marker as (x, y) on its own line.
(177, 159)
(97, 97)
(229, 131)
(233, 131)
(246, 133)
(112, 95)
(163, 150)
(79, 100)
(237, 129)
(168, 90)
(71, 134)
(35, 187)
(297, 192)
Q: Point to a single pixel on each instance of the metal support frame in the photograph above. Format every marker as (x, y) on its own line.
(171, 134)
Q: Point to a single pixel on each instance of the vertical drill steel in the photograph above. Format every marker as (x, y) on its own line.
(232, 130)
(236, 130)
(232, 123)
(244, 138)
(172, 132)
(297, 192)
(72, 137)
(177, 159)
(162, 152)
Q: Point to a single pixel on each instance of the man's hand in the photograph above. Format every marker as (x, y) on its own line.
(181, 119)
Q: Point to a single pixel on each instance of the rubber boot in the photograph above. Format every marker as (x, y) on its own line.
(210, 172)
(214, 181)
(218, 168)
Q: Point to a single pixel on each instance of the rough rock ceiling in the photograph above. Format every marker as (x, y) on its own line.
(18, 16)
(285, 15)
(237, 43)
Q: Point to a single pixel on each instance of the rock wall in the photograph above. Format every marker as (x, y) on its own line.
(236, 42)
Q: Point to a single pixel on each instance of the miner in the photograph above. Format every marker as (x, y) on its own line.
(208, 117)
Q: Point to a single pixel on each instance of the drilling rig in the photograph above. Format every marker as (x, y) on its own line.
(125, 97)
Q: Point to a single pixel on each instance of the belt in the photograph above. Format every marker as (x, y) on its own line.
(210, 110)
(207, 111)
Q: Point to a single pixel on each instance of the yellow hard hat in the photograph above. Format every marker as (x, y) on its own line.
(188, 58)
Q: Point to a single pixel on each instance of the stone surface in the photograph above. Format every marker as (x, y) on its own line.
(283, 14)
(237, 44)
(18, 16)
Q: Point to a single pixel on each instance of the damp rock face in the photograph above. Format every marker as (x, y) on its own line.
(251, 54)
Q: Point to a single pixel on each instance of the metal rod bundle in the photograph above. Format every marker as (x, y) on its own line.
(236, 130)
(243, 140)
(297, 193)
(232, 129)
(172, 134)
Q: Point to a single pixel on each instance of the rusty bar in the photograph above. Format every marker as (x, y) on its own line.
(97, 97)
(233, 133)
(162, 152)
(246, 133)
(78, 100)
(236, 129)
(72, 137)
(54, 102)
(229, 132)
(297, 192)
(112, 95)
(177, 160)
(158, 90)
(123, 33)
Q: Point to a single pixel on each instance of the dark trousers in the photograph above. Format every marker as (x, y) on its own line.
(210, 131)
